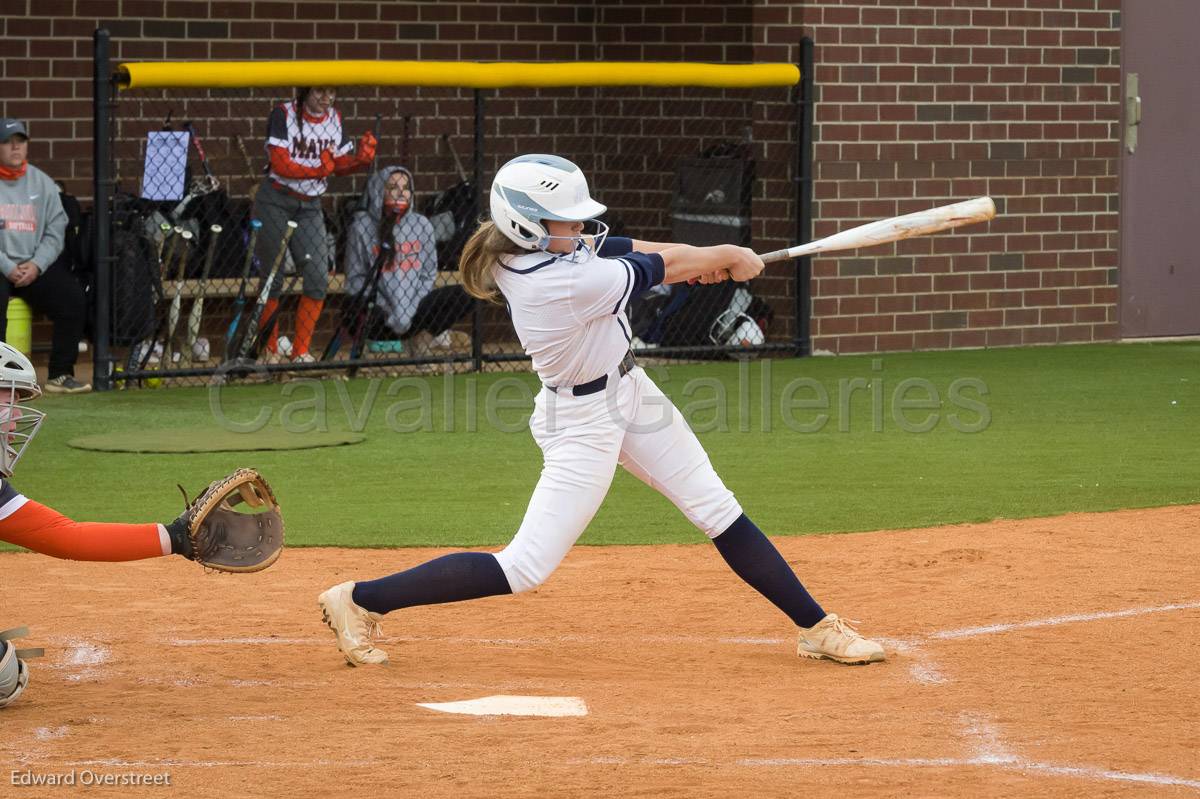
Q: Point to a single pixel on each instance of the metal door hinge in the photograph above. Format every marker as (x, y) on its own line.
(1133, 111)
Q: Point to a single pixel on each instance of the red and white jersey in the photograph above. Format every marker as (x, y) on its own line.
(305, 141)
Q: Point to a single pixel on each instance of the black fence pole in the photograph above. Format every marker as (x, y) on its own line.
(102, 89)
(804, 192)
(477, 179)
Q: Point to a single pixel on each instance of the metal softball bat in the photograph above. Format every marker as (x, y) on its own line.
(920, 223)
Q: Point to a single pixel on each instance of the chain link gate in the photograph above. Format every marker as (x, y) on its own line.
(222, 266)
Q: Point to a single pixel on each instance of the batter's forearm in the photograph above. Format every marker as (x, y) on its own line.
(684, 262)
(652, 246)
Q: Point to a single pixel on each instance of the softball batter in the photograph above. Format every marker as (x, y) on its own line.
(566, 293)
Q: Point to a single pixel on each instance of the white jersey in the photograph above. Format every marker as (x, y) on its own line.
(304, 143)
(570, 314)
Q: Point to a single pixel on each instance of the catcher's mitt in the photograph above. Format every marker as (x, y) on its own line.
(229, 540)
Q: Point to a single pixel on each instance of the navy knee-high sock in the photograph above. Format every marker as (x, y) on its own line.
(755, 559)
(450, 578)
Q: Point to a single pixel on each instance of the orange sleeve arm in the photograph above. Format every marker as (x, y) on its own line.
(45, 530)
(348, 164)
(283, 166)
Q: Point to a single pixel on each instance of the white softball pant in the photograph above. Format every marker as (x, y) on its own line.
(583, 439)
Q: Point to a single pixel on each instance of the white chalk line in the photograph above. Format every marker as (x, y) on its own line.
(1054, 621)
(897, 644)
(982, 736)
(81, 660)
(1010, 764)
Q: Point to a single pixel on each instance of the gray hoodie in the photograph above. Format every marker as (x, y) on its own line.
(410, 275)
(32, 221)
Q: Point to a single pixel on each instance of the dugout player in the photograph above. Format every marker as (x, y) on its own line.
(306, 144)
(566, 293)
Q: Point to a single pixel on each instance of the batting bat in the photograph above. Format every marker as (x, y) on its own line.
(208, 173)
(164, 229)
(197, 311)
(251, 172)
(266, 326)
(249, 339)
(177, 300)
(239, 304)
(897, 228)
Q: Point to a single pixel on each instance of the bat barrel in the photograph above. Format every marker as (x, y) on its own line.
(919, 223)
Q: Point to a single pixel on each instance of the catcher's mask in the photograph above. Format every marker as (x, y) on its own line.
(19, 423)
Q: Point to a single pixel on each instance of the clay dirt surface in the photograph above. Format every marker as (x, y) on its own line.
(1044, 657)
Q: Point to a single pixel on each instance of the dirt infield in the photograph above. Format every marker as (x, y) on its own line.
(1048, 657)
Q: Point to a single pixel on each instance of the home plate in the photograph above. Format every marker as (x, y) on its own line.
(504, 705)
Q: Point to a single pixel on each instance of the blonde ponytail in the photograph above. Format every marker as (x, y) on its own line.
(480, 254)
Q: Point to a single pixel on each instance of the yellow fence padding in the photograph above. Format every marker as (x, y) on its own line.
(465, 74)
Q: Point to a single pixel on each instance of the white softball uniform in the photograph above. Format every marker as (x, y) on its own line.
(570, 318)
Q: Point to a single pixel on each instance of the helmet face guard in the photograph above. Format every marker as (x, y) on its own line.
(18, 423)
(530, 190)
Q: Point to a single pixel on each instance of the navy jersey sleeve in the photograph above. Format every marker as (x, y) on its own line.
(615, 246)
(277, 132)
(648, 270)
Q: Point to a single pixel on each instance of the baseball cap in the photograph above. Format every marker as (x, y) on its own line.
(10, 128)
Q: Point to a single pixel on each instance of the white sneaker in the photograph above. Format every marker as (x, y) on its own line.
(352, 625)
(268, 358)
(66, 384)
(304, 357)
(834, 638)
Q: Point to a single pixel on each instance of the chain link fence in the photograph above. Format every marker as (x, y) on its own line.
(227, 264)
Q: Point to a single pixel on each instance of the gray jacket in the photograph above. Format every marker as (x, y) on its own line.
(413, 268)
(33, 223)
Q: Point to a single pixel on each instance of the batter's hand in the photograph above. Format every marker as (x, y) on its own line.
(746, 265)
(720, 276)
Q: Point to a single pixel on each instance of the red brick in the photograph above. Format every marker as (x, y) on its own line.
(933, 340)
(1039, 335)
(933, 302)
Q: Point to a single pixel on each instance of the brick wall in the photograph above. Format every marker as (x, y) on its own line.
(920, 102)
(927, 102)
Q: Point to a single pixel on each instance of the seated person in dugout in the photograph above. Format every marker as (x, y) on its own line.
(406, 308)
(33, 228)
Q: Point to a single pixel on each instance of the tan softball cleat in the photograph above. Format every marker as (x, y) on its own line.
(833, 638)
(352, 625)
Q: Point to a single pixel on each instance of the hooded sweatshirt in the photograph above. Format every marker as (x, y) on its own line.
(33, 223)
(412, 269)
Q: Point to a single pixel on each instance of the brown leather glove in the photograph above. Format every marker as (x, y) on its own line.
(222, 537)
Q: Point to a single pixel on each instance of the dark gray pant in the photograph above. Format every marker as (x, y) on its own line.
(57, 294)
(309, 245)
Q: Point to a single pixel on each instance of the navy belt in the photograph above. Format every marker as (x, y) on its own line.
(601, 382)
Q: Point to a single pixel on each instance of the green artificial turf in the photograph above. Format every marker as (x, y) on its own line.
(1081, 428)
